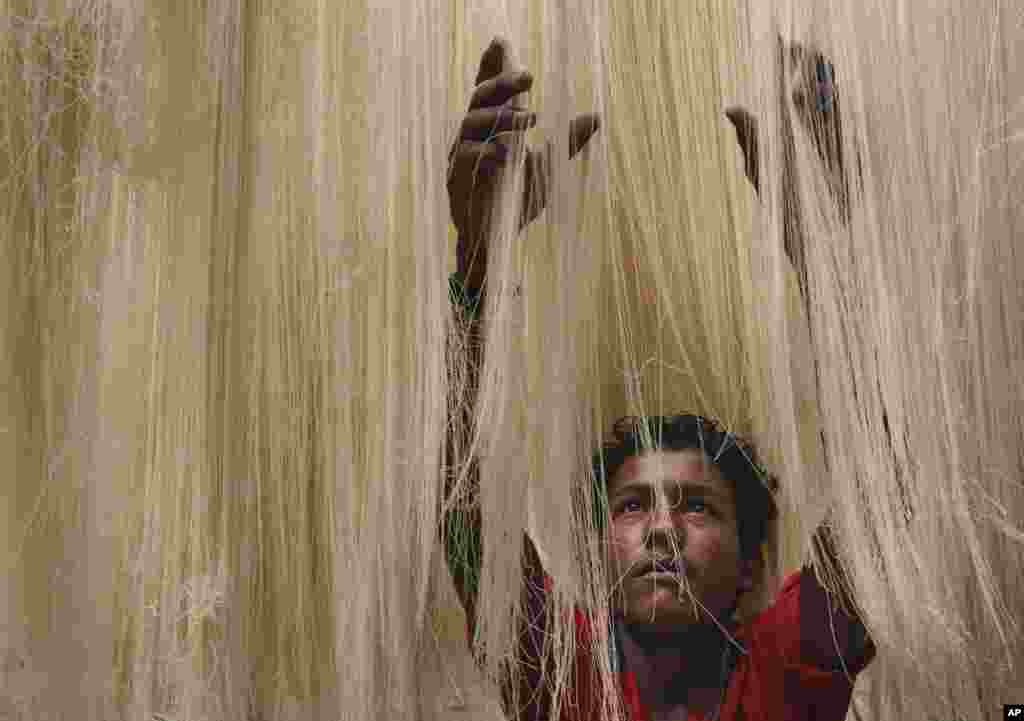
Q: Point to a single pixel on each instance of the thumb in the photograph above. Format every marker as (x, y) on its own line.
(538, 165)
(745, 125)
(581, 129)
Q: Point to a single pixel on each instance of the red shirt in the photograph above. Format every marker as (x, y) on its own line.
(791, 671)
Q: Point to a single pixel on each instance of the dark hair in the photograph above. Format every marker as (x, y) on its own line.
(736, 458)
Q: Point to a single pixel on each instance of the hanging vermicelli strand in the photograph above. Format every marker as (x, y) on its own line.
(260, 220)
(911, 309)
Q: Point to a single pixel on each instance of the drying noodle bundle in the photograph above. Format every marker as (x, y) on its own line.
(230, 364)
(915, 319)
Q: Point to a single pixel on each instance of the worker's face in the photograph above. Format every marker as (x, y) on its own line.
(673, 526)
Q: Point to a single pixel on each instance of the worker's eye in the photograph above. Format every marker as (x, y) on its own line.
(696, 505)
(630, 505)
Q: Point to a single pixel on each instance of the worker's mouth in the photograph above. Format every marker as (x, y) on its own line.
(661, 568)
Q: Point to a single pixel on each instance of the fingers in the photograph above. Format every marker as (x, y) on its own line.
(811, 76)
(809, 58)
(817, 89)
(470, 158)
(501, 88)
(485, 124)
(816, 101)
(493, 60)
(538, 165)
(492, 130)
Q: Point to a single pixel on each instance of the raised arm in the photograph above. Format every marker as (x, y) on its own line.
(478, 157)
(475, 163)
(807, 78)
(832, 635)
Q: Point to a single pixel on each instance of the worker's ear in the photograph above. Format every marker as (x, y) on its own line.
(746, 135)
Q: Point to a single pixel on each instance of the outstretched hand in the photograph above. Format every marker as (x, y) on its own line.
(493, 124)
(808, 77)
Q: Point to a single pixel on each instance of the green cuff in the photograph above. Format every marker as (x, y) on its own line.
(468, 299)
